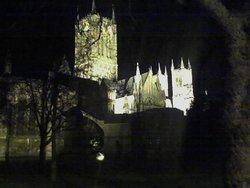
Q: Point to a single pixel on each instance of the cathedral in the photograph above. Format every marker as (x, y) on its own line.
(96, 59)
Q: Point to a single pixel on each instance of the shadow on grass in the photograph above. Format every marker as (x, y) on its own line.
(27, 173)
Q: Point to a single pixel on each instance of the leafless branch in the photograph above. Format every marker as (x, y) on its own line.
(29, 84)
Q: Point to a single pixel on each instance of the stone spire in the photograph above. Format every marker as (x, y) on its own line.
(165, 71)
(8, 64)
(93, 10)
(113, 14)
(172, 64)
(137, 74)
(166, 83)
(77, 14)
(159, 69)
(189, 64)
(137, 69)
(173, 80)
(182, 64)
(150, 70)
(77, 19)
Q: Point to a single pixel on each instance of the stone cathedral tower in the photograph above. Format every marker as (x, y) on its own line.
(96, 46)
(96, 59)
(182, 86)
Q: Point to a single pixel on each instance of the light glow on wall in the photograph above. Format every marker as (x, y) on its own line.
(100, 156)
(124, 105)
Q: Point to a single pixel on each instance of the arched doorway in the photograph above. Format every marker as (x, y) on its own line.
(83, 140)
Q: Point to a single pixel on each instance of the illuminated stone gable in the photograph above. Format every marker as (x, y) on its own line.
(152, 93)
(148, 91)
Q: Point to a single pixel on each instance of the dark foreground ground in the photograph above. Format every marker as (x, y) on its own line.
(27, 174)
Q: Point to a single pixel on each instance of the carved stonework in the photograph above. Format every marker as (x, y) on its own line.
(96, 48)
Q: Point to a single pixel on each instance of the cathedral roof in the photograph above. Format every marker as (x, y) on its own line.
(120, 88)
(126, 86)
(144, 77)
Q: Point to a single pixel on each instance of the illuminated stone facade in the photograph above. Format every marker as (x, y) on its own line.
(147, 91)
(182, 86)
(96, 47)
(96, 59)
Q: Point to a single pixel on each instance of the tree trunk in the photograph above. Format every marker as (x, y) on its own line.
(8, 136)
(53, 161)
(42, 152)
(54, 129)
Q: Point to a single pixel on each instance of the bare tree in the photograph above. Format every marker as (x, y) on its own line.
(46, 102)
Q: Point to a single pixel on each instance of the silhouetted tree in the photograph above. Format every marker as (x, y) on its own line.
(237, 80)
(47, 102)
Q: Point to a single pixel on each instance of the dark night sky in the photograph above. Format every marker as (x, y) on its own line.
(39, 32)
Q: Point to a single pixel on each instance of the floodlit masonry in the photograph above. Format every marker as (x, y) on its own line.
(96, 59)
(96, 47)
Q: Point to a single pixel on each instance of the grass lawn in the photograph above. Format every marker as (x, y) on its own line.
(26, 174)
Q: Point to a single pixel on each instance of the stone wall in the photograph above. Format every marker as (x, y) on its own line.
(158, 137)
(117, 138)
(156, 134)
